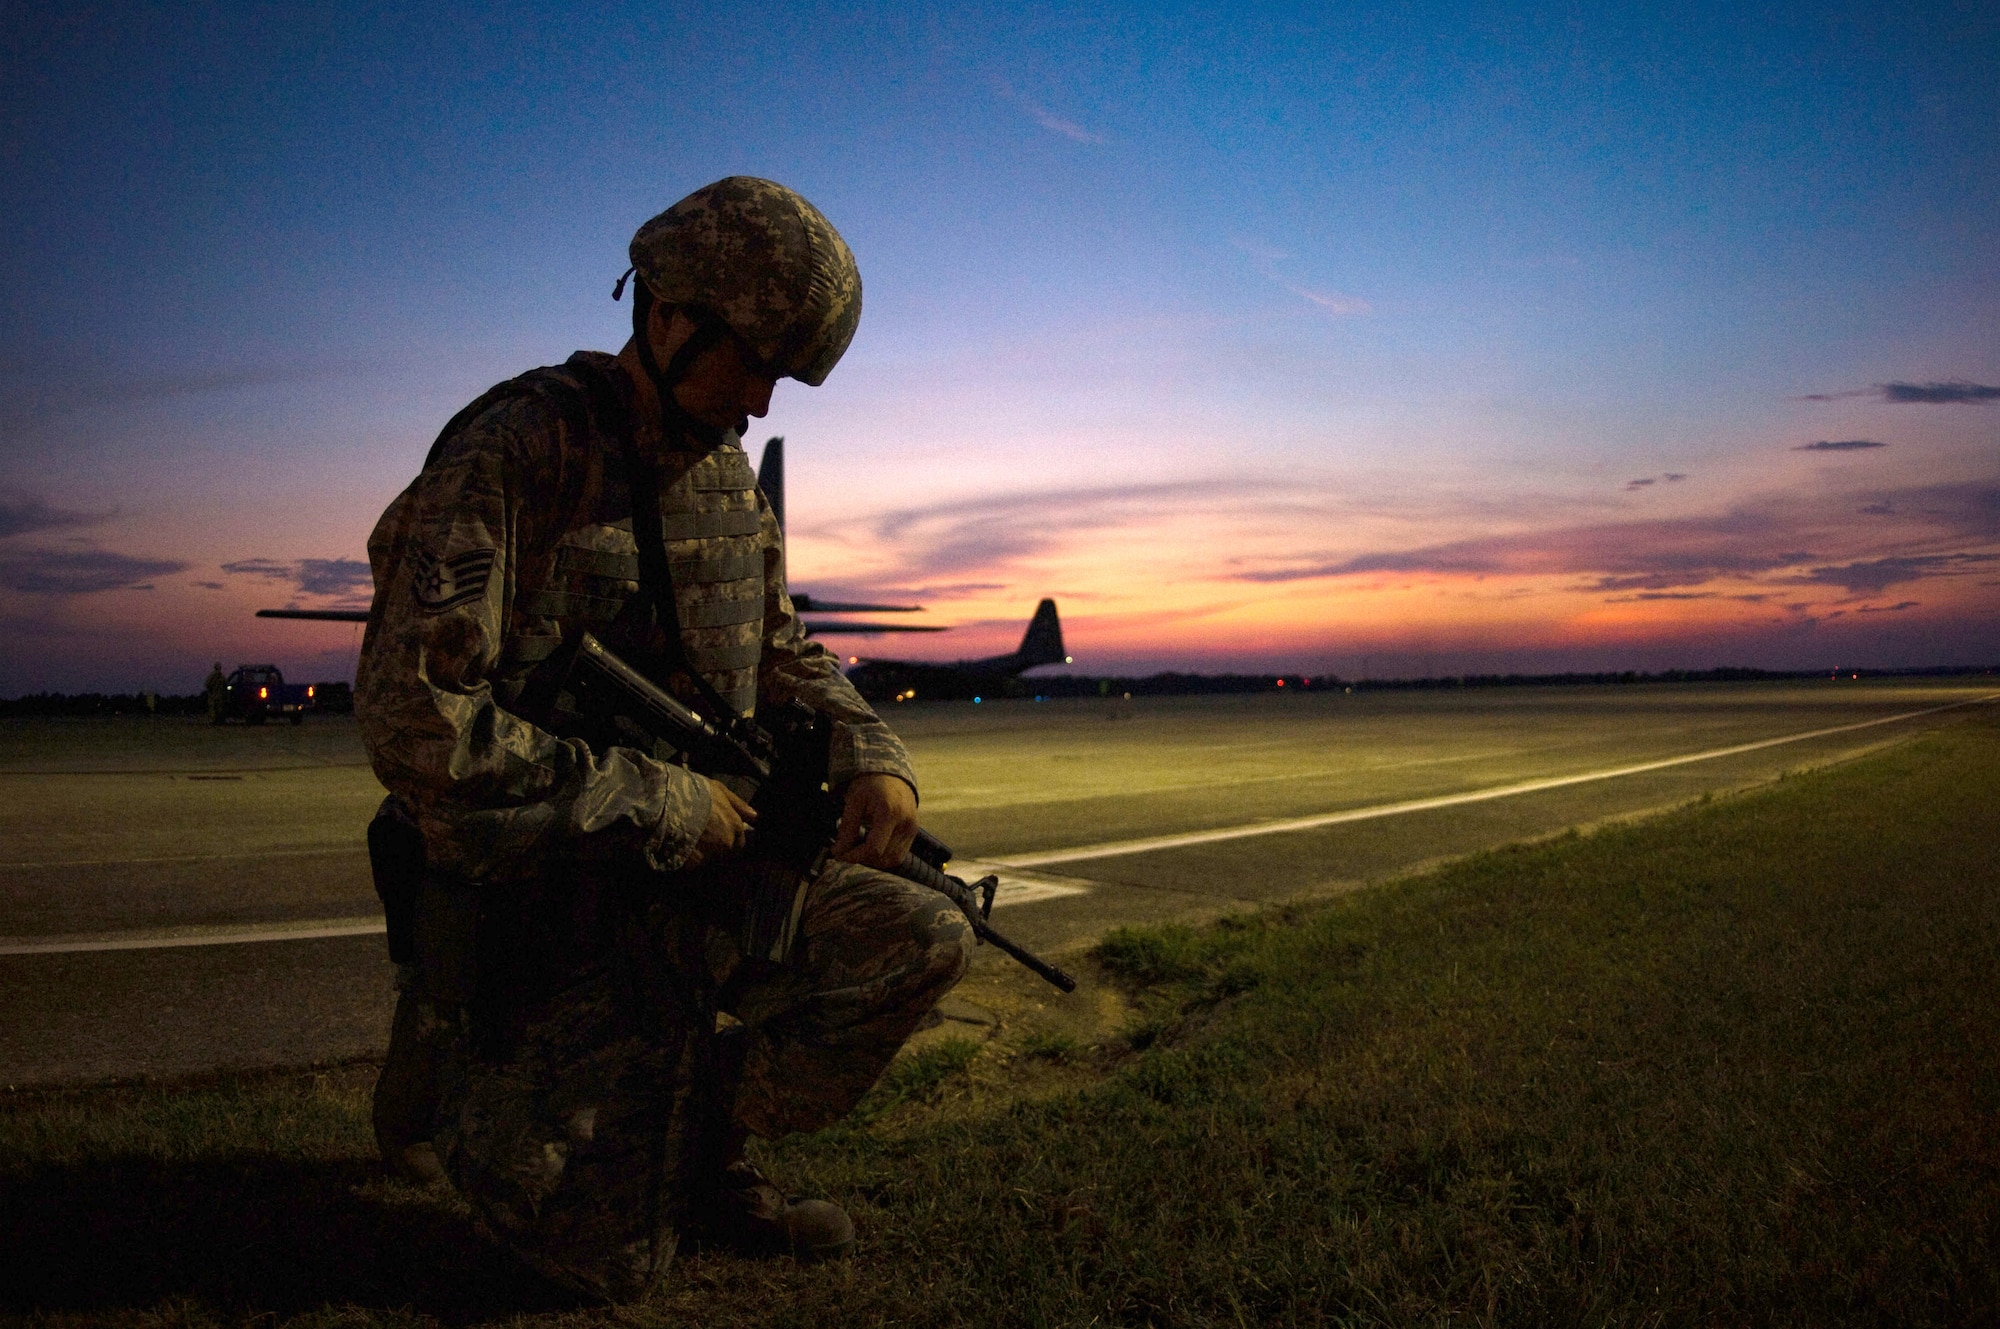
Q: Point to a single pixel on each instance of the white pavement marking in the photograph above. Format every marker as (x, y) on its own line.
(333, 927)
(1017, 887)
(1119, 848)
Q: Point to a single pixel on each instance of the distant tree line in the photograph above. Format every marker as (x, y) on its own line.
(339, 698)
(335, 698)
(102, 703)
(1183, 685)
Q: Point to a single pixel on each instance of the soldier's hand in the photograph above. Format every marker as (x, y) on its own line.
(878, 822)
(729, 823)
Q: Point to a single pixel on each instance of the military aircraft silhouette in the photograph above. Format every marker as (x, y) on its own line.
(771, 479)
(994, 675)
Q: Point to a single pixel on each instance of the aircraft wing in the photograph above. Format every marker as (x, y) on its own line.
(318, 615)
(361, 616)
(805, 604)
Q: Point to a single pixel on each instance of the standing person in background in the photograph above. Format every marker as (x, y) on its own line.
(217, 688)
(556, 1048)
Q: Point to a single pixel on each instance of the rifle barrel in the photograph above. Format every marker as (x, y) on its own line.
(1047, 971)
(924, 874)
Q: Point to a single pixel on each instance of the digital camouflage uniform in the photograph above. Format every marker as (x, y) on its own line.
(569, 967)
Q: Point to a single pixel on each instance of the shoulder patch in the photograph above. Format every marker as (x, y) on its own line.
(443, 583)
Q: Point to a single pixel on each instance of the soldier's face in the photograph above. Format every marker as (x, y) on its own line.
(726, 385)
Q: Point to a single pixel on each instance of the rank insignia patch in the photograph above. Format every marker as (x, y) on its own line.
(440, 584)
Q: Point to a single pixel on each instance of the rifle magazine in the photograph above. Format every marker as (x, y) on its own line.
(773, 901)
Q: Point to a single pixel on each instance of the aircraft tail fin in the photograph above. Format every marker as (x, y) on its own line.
(771, 478)
(1042, 643)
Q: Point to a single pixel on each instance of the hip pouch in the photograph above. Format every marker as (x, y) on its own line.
(396, 858)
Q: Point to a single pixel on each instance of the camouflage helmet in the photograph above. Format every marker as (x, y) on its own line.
(763, 260)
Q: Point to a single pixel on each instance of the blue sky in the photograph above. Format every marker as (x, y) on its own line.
(1219, 327)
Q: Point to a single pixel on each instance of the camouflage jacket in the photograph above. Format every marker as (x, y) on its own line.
(519, 532)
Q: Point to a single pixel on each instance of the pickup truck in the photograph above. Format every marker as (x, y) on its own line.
(258, 692)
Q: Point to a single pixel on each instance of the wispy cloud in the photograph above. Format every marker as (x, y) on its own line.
(79, 571)
(24, 514)
(334, 576)
(1266, 258)
(269, 569)
(1044, 117)
(1839, 445)
(1953, 392)
(345, 577)
(1758, 539)
(1887, 609)
(1956, 392)
(990, 534)
(1340, 306)
(1624, 556)
(1869, 576)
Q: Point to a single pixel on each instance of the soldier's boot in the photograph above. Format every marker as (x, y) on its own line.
(741, 1210)
(405, 1106)
(749, 1215)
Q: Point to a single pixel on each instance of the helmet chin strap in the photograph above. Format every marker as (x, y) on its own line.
(708, 331)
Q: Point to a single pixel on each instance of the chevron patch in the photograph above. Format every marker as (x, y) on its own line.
(443, 583)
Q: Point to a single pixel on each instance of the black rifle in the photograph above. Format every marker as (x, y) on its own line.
(783, 759)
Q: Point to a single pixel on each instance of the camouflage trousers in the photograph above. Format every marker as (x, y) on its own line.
(584, 1144)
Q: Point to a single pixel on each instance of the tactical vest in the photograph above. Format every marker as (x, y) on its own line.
(587, 577)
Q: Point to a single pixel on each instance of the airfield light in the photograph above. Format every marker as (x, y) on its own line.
(1281, 682)
(310, 689)
(1069, 659)
(262, 693)
(854, 659)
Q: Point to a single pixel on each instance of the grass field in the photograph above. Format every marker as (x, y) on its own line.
(1739, 1064)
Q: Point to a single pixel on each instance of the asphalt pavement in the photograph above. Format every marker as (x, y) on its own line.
(166, 901)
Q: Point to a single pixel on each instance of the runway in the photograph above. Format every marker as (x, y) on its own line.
(177, 899)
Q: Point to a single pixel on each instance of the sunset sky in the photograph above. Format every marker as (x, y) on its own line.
(1396, 339)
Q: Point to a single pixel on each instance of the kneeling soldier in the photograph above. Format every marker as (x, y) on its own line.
(556, 1047)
